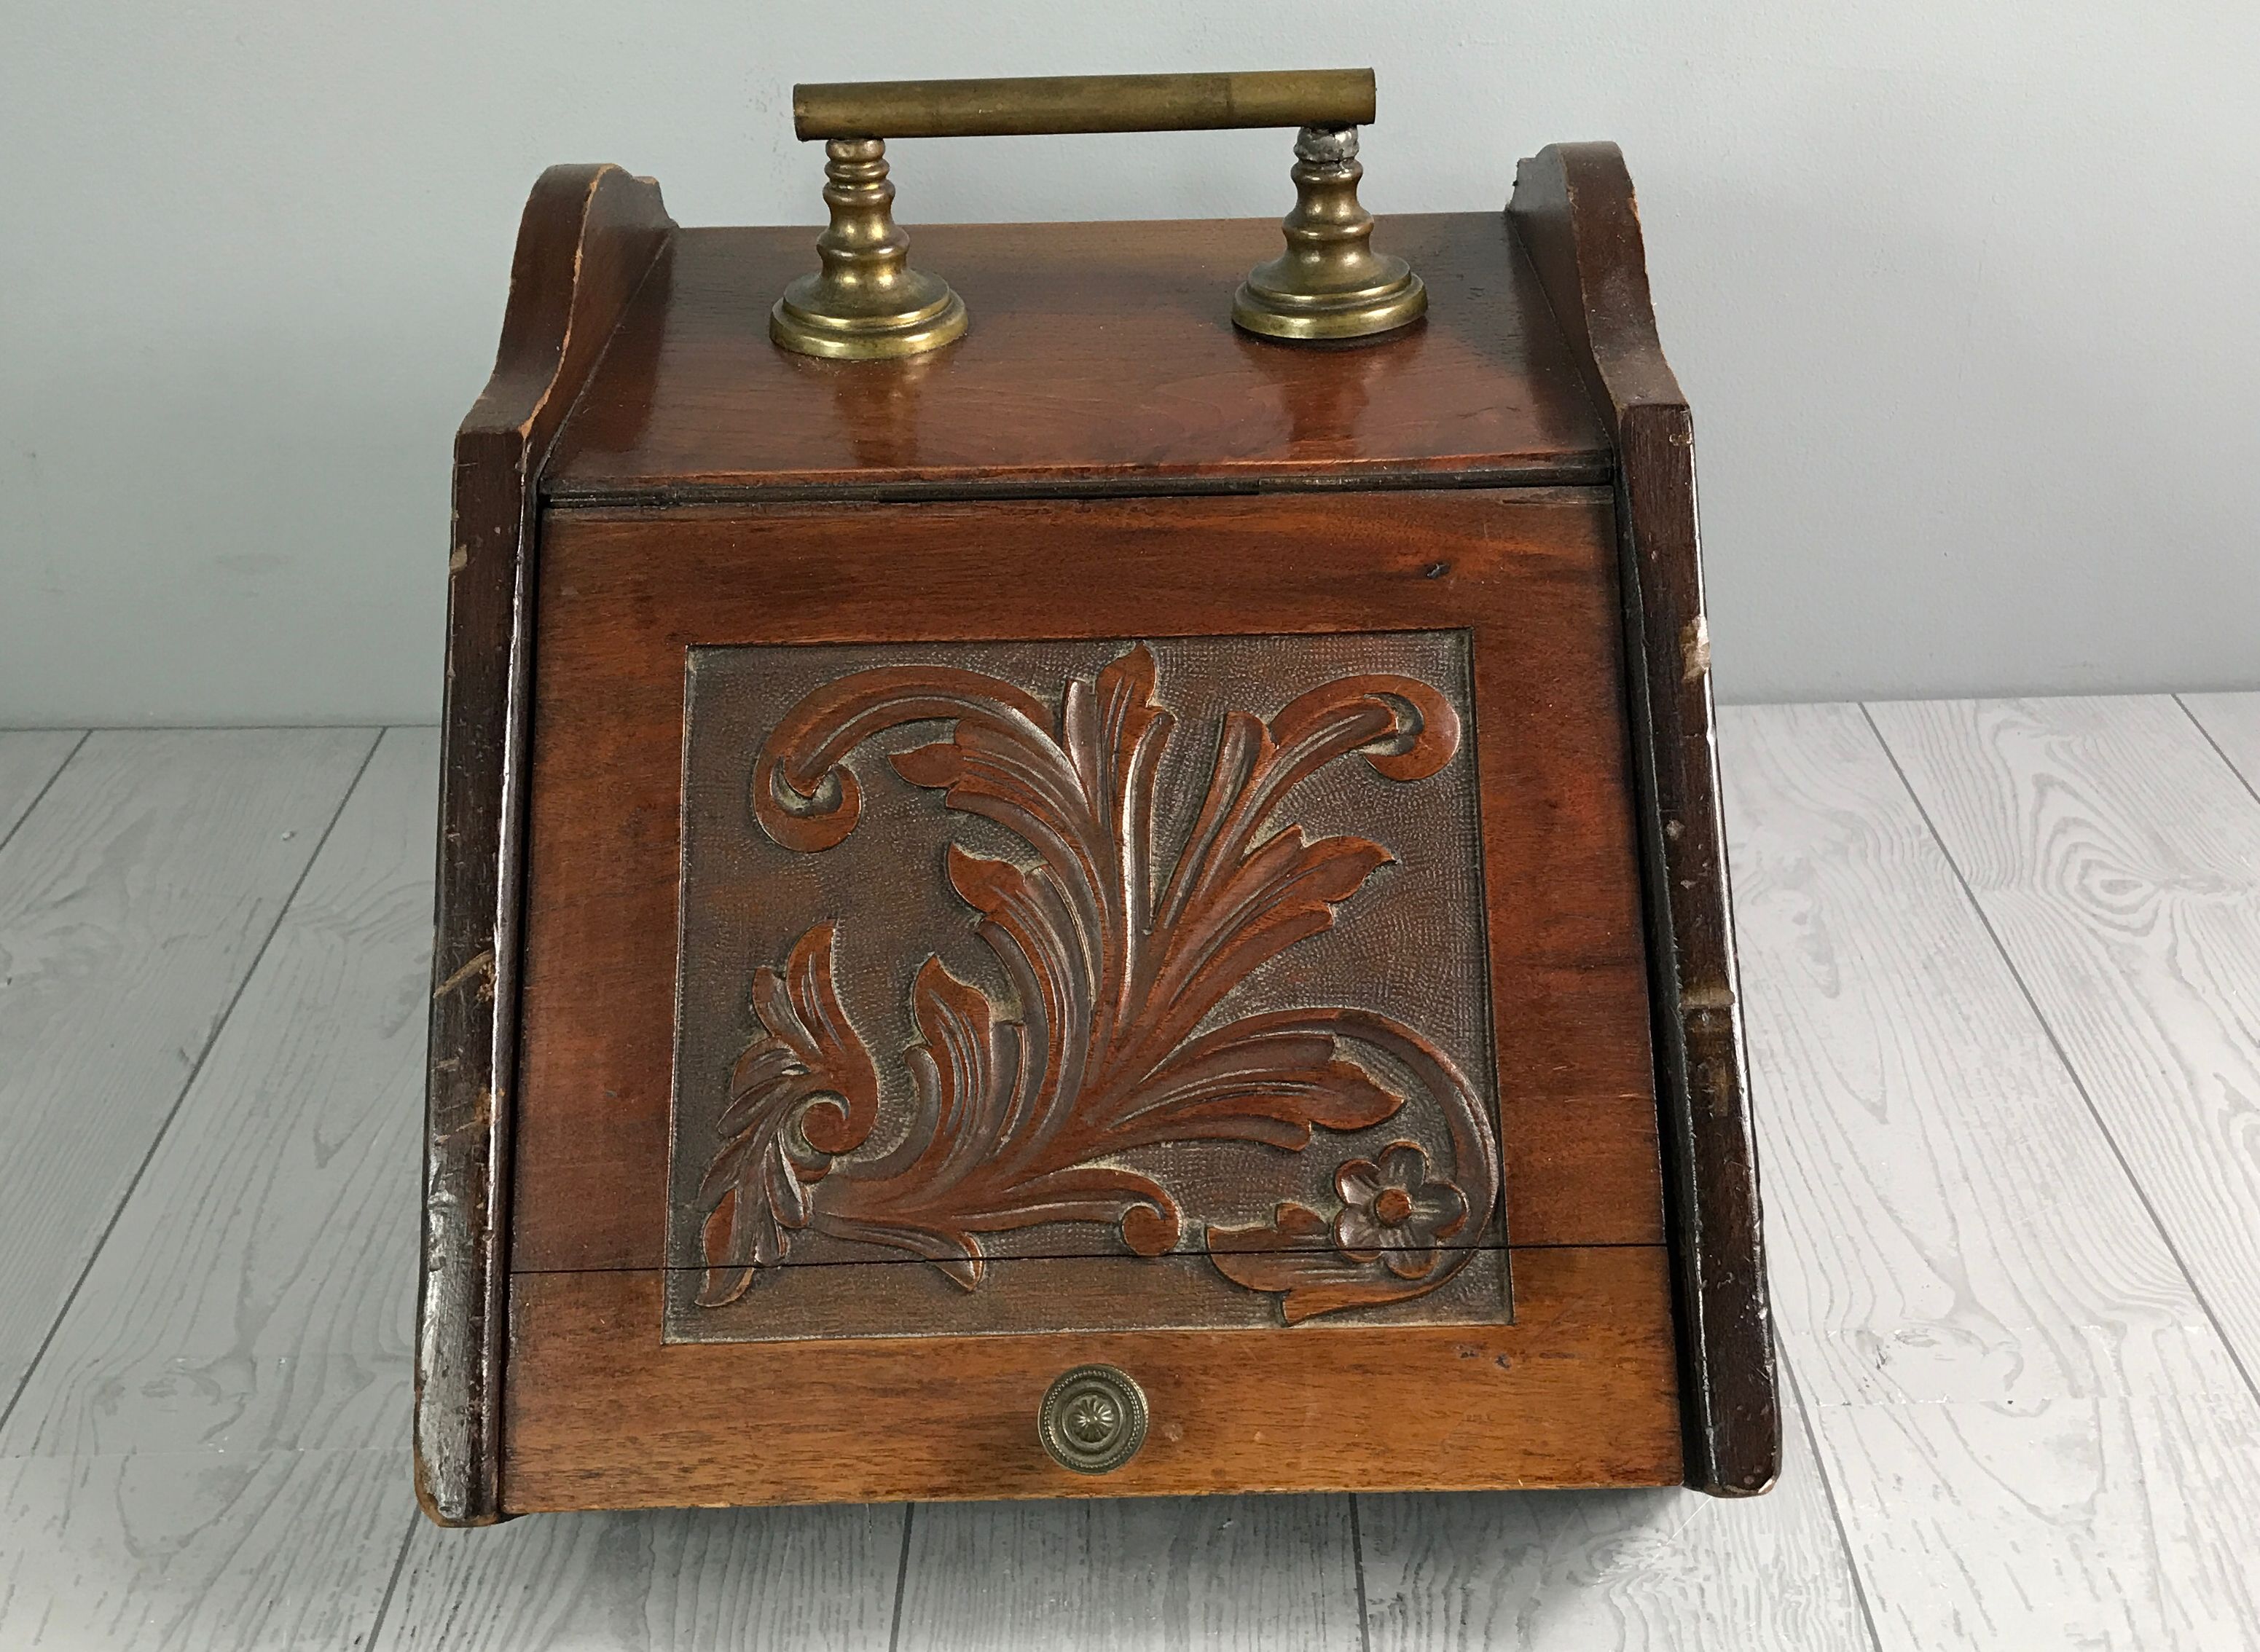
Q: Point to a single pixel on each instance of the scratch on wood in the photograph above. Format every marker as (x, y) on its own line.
(1694, 648)
(482, 967)
(475, 1126)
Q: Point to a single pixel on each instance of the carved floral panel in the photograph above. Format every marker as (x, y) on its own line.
(1082, 985)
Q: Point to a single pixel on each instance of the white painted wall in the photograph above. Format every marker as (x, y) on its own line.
(1964, 294)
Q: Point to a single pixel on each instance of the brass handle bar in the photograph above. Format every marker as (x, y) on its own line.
(865, 302)
(1045, 105)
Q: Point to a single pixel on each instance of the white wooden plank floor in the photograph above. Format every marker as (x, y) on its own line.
(2002, 969)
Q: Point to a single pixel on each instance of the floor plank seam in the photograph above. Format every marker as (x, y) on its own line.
(398, 1453)
(2206, 734)
(392, 1583)
(2063, 1059)
(902, 1580)
(31, 808)
(188, 1079)
(1829, 1495)
(350, 725)
(1357, 1571)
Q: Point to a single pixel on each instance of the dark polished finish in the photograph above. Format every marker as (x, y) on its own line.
(1573, 207)
(692, 403)
(1101, 461)
(589, 236)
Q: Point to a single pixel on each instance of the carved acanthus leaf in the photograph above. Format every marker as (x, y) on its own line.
(802, 1092)
(1115, 972)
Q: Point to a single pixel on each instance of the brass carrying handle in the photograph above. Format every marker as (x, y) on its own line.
(1045, 106)
(864, 301)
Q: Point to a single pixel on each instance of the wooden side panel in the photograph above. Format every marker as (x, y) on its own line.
(588, 238)
(1580, 1391)
(1573, 204)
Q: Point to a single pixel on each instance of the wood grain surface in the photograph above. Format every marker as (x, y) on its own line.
(2116, 859)
(133, 902)
(1251, 1573)
(2126, 1521)
(152, 1551)
(1101, 357)
(1637, 1572)
(822, 1579)
(1578, 1391)
(2016, 1394)
(1915, 1105)
(30, 759)
(257, 1292)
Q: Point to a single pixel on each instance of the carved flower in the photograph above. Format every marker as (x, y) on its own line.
(1092, 1419)
(1392, 1212)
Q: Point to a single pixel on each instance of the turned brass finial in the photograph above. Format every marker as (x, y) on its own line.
(1329, 283)
(865, 300)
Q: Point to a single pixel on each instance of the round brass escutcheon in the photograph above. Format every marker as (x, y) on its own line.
(1093, 1419)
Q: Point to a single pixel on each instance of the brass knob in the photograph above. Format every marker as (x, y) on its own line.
(1093, 1419)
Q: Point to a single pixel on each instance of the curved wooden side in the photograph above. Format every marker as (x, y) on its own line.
(590, 237)
(1574, 210)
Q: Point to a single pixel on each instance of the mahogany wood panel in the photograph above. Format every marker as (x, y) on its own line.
(588, 239)
(625, 593)
(1101, 357)
(1580, 1391)
(636, 393)
(1574, 210)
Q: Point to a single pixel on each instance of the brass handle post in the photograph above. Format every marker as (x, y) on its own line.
(865, 300)
(1049, 104)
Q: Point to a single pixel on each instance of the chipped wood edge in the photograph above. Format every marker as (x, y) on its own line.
(1574, 211)
(589, 236)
